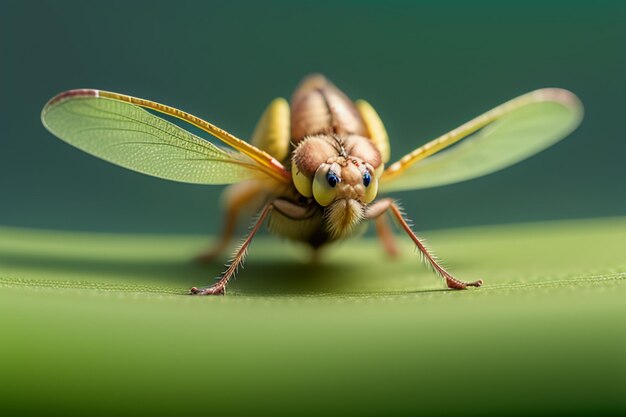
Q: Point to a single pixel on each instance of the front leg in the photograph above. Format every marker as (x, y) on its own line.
(238, 258)
(382, 206)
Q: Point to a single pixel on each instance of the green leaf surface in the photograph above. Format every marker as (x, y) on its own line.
(100, 324)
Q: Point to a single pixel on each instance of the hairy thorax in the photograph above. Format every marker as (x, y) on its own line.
(335, 179)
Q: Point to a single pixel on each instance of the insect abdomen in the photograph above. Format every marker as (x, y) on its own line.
(310, 230)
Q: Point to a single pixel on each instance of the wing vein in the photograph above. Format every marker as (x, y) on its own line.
(501, 137)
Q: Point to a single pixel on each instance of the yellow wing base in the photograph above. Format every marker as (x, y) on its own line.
(273, 132)
(375, 128)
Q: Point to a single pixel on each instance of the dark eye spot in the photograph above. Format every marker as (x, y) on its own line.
(332, 179)
(367, 178)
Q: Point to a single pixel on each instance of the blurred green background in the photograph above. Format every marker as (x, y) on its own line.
(426, 67)
(97, 324)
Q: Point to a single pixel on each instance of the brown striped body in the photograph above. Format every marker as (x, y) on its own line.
(318, 107)
(324, 124)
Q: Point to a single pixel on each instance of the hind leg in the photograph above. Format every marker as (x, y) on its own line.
(385, 234)
(238, 199)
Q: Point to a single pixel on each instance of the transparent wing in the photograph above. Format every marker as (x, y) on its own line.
(499, 138)
(115, 128)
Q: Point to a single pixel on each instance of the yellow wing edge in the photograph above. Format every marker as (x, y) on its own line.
(270, 165)
(559, 95)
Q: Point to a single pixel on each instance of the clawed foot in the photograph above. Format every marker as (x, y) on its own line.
(212, 290)
(455, 284)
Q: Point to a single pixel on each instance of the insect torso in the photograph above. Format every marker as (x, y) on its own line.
(325, 127)
(318, 107)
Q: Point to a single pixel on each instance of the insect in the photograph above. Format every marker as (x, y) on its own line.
(313, 168)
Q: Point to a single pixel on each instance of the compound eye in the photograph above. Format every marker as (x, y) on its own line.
(332, 179)
(367, 178)
(303, 184)
(325, 184)
(371, 185)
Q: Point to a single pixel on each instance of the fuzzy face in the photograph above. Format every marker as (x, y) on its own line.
(341, 174)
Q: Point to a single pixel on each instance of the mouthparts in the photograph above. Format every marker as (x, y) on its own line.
(343, 216)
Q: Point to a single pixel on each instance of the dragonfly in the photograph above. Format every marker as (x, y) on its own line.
(316, 169)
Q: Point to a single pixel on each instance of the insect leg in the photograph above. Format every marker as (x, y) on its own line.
(390, 205)
(238, 258)
(378, 211)
(237, 198)
(385, 234)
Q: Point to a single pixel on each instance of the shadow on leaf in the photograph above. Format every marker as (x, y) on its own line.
(263, 275)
